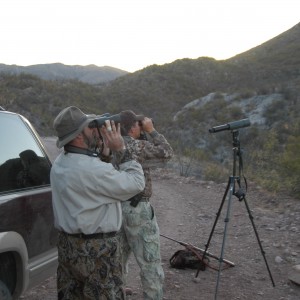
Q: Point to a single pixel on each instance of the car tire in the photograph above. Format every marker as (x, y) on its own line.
(8, 272)
(4, 292)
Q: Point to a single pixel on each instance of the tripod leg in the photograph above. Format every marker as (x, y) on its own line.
(215, 223)
(231, 191)
(259, 243)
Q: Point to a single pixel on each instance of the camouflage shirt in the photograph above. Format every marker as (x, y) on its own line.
(150, 153)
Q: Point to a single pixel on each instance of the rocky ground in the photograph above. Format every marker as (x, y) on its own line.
(186, 210)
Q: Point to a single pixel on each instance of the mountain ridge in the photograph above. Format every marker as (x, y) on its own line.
(91, 74)
(262, 83)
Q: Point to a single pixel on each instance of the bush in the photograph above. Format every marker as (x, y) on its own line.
(215, 172)
(290, 165)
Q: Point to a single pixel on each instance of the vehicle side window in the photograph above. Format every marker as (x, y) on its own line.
(22, 162)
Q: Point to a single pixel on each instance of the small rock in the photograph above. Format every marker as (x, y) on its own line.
(278, 259)
(295, 277)
(296, 268)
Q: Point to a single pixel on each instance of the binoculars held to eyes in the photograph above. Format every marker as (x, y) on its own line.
(100, 120)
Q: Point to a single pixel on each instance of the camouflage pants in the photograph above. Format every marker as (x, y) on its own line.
(89, 269)
(140, 235)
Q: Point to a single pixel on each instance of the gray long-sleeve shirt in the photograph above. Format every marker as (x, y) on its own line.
(86, 192)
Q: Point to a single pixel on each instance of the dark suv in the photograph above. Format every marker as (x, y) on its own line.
(28, 238)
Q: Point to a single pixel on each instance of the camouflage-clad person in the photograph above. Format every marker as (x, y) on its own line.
(140, 231)
(86, 198)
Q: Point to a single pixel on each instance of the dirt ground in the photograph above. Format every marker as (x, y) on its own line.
(186, 209)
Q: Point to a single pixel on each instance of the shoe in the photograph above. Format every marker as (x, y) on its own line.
(128, 291)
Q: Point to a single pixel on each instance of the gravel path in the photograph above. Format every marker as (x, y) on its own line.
(186, 210)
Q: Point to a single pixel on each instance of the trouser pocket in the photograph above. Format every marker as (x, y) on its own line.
(151, 245)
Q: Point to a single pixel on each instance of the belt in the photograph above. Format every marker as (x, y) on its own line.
(100, 235)
(145, 199)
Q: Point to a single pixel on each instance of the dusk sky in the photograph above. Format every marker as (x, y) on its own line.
(133, 34)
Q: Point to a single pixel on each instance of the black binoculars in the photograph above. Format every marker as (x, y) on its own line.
(100, 120)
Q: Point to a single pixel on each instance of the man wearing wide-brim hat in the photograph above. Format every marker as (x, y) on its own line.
(87, 195)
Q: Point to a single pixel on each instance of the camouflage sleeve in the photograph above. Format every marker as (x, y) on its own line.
(105, 158)
(120, 157)
(158, 150)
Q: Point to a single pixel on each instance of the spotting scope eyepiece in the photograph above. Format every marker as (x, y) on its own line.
(231, 126)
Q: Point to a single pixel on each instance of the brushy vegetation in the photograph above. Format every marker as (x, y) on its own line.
(269, 152)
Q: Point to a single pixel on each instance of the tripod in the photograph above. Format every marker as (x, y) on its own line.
(233, 181)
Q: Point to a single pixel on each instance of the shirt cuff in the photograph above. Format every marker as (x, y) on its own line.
(123, 156)
(154, 133)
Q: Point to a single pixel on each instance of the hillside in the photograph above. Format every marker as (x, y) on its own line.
(186, 98)
(270, 67)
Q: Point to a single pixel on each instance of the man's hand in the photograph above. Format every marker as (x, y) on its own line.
(112, 136)
(105, 149)
(147, 125)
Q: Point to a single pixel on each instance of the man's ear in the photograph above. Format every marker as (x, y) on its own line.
(79, 137)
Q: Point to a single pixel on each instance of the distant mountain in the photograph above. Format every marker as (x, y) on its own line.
(89, 74)
(187, 97)
(162, 91)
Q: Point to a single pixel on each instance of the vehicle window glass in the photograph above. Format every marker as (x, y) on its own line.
(22, 162)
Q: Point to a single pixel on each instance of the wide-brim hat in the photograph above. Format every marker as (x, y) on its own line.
(69, 123)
